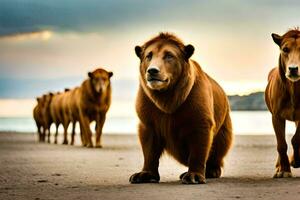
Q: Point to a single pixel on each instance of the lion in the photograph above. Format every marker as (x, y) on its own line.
(38, 117)
(90, 102)
(282, 97)
(67, 114)
(71, 112)
(56, 111)
(181, 110)
(47, 118)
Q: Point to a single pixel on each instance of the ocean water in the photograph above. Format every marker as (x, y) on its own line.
(244, 123)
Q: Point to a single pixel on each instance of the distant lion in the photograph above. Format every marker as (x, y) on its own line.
(71, 111)
(56, 111)
(282, 97)
(182, 110)
(38, 118)
(47, 115)
(90, 102)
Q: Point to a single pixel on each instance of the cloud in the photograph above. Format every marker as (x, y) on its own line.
(69, 15)
(18, 16)
(38, 35)
(232, 38)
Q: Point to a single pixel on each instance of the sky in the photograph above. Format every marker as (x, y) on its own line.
(52, 44)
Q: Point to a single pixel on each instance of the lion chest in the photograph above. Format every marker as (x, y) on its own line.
(283, 100)
(174, 132)
(93, 111)
(290, 112)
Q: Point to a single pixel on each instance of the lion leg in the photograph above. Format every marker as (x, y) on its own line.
(44, 134)
(283, 169)
(48, 132)
(73, 132)
(99, 126)
(220, 147)
(87, 133)
(66, 125)
(198, 153)
(65, 134)
(56, 133)
(152, 148)
(295, 159)
(48, 135)
(82, 137)
(39, 130)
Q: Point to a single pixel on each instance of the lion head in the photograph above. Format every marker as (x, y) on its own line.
(163, 60)
(289, 61)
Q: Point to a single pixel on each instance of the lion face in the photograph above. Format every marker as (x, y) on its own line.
(100, 80)
(290, 55)
(162, 63)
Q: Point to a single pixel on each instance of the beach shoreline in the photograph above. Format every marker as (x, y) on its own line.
(32, 170)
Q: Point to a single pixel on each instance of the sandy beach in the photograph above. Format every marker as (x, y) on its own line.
(31, 170)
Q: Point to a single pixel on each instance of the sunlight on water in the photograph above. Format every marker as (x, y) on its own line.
(244, 122)
(255, 123)
(15, 115)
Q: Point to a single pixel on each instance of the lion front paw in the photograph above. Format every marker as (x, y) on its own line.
(144, 177)
(90, 145)
(192, 178)
(213, 172)
(283, 174)
(294, 162)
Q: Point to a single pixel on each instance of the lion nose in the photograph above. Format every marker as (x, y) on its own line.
(153, 70)
(293, 70)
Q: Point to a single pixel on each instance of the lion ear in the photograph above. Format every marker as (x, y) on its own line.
(277, 38)
(38, 99)
(188, 51)
(138, 51)
(90, 74)
(110, 74)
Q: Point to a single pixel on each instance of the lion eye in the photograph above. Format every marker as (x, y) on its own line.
(286, 50)
(149, 56)
(169, 56)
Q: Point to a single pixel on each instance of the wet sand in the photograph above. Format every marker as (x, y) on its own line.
(32, 170)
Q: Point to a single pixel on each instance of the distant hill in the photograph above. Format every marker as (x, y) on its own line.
(123, 90)
(253, 101)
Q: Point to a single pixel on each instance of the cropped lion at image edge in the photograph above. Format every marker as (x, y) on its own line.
(282, 98)
(181, 110)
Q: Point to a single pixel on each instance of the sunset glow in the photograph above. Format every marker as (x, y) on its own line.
(39, 35)
(49, 54)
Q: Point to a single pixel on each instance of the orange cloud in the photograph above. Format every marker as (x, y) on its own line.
(37, 35)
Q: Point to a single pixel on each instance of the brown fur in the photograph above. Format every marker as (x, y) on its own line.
(71, 111)
(38, 117)
(68, 113)
(87, 104)
(56, 111)
(187, 115)
(282, 97)
(47, 115)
